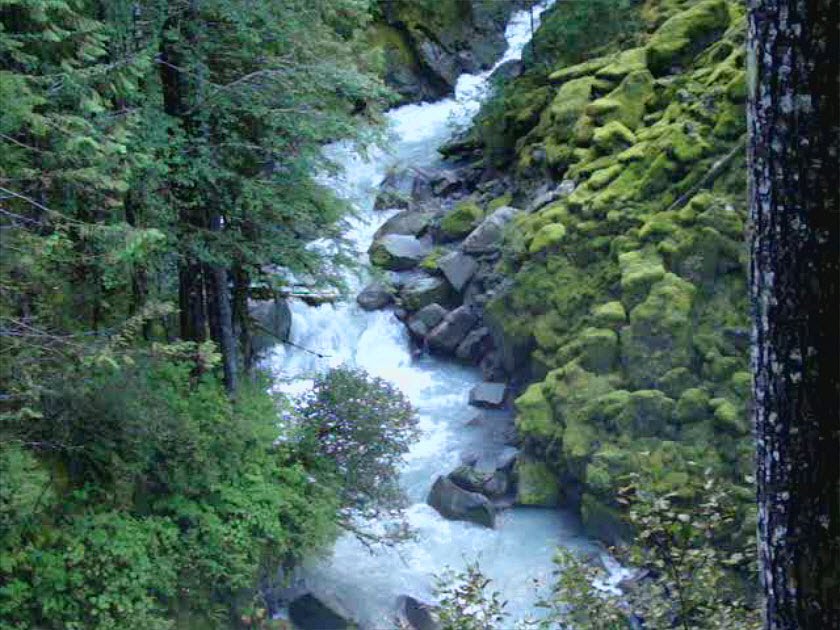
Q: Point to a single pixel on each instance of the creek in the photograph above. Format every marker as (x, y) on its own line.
(519, 550)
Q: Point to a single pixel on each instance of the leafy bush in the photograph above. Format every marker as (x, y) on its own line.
(157, 497)
(465, 601)
(363, 426)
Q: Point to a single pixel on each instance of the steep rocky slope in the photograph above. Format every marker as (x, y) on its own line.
(427, 44)
(617, 293)
(629, 293)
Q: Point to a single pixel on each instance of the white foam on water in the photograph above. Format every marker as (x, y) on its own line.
(521, 548)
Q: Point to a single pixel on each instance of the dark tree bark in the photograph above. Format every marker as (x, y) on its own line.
(242, 317)
(795, 275)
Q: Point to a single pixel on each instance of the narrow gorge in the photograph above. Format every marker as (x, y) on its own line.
(569, 256)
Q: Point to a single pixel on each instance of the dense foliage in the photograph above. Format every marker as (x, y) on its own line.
(157, 170)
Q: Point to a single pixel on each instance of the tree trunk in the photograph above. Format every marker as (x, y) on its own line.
(241, 315)
(221, 313)
(795, 272)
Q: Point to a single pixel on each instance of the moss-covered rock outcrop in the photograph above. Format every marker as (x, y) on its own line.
(631, 291)
(426, 44)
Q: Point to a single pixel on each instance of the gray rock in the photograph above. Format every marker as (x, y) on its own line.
(424, 290)
(398, 251)
(275, 318)
(458, 268)
(422, 322)
(506, 457)
(407, 222)
(487, 237)
(440, 62)
(491, 366)
(508, 70)
(445, 183)
(458, 504)
(446, 336)
(493, 484)
(564, 189)
(475, 345)
(395, 190)
(490, 395)
(374, 296)
(310, 613)
(415, 615)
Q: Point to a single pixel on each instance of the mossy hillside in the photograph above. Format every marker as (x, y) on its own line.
(636, 310)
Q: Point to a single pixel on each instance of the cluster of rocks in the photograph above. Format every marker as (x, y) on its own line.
(440, 251)
(439, 284)
(426, 49)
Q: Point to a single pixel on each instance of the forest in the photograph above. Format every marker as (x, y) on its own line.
(419, 314)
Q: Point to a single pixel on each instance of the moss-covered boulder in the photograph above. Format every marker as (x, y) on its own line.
(685, 34)
(548, 236)
(609, 315)
(536, 484)
(461, 220)
(660, 332)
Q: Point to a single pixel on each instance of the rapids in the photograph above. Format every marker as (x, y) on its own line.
(520, 549)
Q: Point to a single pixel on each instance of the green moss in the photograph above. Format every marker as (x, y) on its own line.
(582, 69)
(462, 219)
(648, 413)
(536, 484)
(693, 406)
(639, 271)
(682, 35)
(736, 89)
(610, 314)
(568, 104)
(673, 382)
(731, 419)
(534, 418)
(604, 176)
(627, 61)
(499, 202)
(612, 137)
(595, 348)
(731, 121)
(430, 262)
(660, 332)
(626, 103)
(657, 177)
(548, 236)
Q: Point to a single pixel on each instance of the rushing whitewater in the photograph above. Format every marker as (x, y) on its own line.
(364, 584)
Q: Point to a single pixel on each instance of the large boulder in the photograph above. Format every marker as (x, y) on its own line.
(491, 395)
(458, 504)
(310, 613)
(536, 484)
(493, 484)
(395, 190)
(275, 322)
(374, 296)
(409, 222)
(475, 345)
(424, 320)
(415, 615)
(458, 268)
(446, 336)
(398, 252)
(421, 291)
(487, 237)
